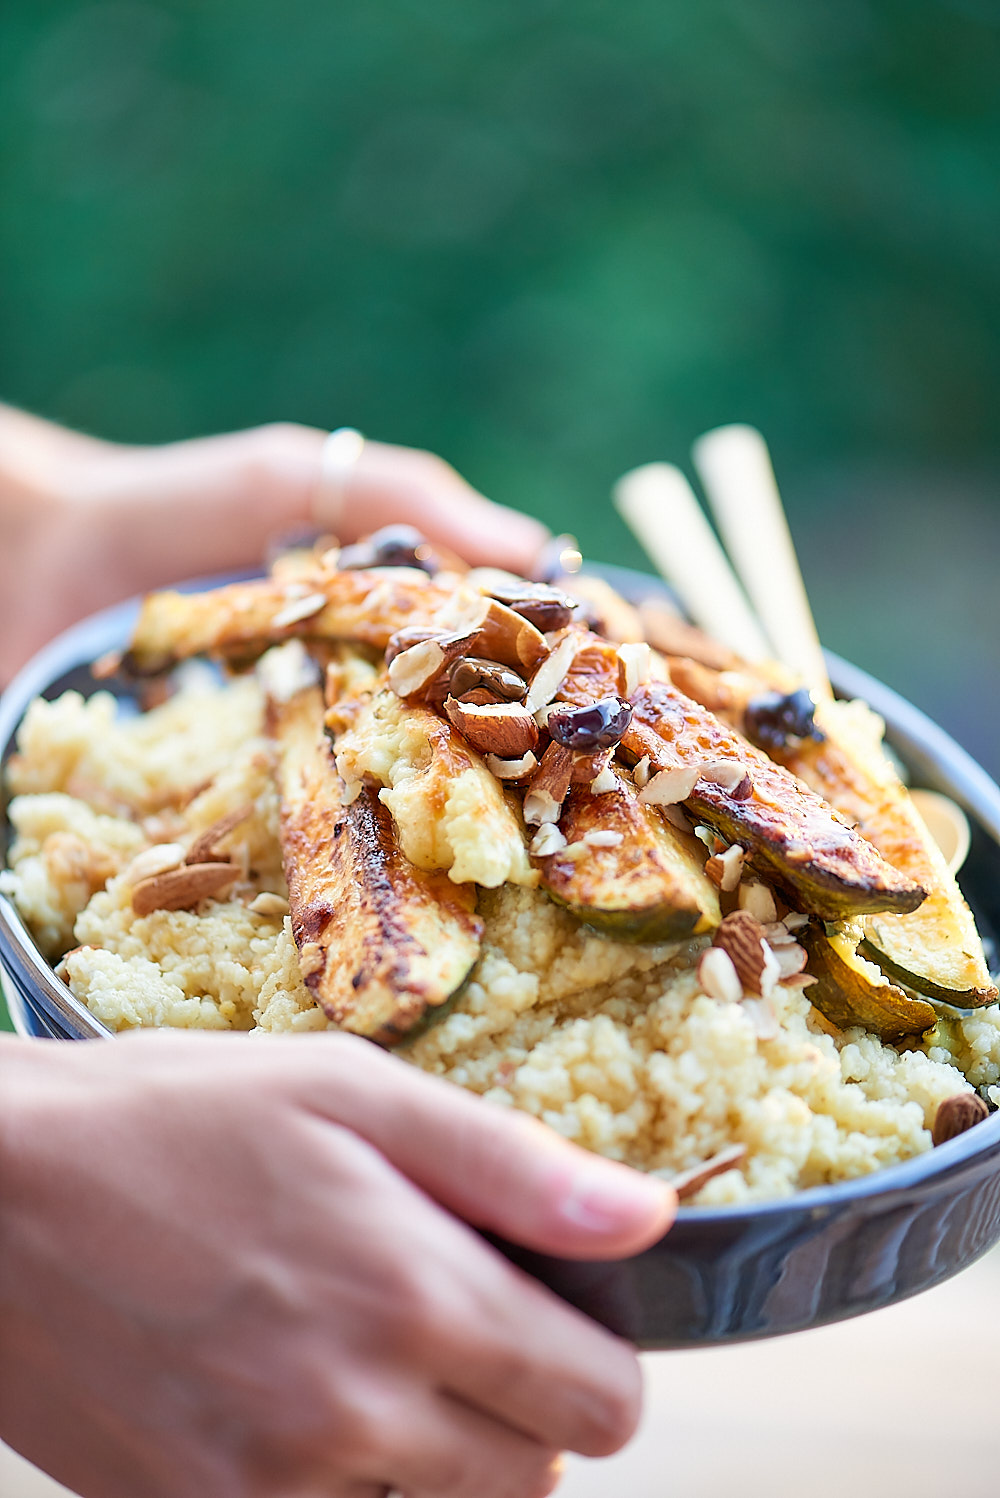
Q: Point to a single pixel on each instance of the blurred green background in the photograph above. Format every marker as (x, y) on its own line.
(551, 241)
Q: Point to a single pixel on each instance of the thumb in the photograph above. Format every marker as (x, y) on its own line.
(495, 1168)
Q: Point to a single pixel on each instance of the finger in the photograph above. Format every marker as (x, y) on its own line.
(203, 505)
(532, 1362)
(495, 1168)
(445, 1449)
(439, 1298)
(390, 484)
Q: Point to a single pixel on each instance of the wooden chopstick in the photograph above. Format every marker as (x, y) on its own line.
(659, 506)
(734, 466)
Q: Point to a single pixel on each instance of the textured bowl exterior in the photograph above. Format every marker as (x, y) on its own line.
(720, 1275)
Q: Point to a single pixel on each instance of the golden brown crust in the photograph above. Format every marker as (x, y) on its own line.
(380, 941)
(242, 620)
(650, 886)
(792, 836)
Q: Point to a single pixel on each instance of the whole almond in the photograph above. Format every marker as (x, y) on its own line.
(181, 889)
(957, 1114)
(505, 729)
(742, 937)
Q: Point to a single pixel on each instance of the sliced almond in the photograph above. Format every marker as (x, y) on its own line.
(541, 807)
(183, 888)
(412, 635)
(551, 673)
(546, 841)
(675, 817)
(154, 860)
(730, 776)
(511, 769)
(267, 903)
(555, 773)
(286, 671)
(791, 960)
(606, 781)
(587, 767)
(725, 869)
(204, 849)
(669, 787)
(635, 665)
(778, 935)
(689, 1182)
(758, 901)
(761, 1014)
(640, 774)
(504, 729)
(603, 838)
(795, 920)
(718, 976)
(299, 609)
(413, 669)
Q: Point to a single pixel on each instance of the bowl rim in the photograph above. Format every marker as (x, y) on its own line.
(909, 728)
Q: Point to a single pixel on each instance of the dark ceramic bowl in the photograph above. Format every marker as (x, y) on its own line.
(721, 1274)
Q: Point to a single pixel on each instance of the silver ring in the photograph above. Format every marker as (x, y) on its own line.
(338, 458)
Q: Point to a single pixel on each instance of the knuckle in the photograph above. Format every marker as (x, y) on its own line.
(521, 1471)
(433, 471)
(360, 1428)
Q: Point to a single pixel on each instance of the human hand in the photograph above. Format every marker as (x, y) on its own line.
(230, 1267)
(85, 523)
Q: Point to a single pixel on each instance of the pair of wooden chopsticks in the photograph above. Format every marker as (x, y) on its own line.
(756, 603)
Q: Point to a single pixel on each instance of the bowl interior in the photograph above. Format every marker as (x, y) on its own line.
(43, 1006)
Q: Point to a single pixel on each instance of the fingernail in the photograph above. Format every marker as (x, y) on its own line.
(605, 1201)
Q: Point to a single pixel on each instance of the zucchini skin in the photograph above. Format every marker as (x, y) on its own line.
(791, 835)
(650, 888)
(937, 950)
(381, 943)
(846, 995)
(238, 621)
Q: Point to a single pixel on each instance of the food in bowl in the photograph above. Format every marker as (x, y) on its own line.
(623, 888)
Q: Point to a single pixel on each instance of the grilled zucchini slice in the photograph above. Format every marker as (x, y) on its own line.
(852, 991)
(241, 621)
(649, 887)
(792, 837)
(937, 949)
(381, 943)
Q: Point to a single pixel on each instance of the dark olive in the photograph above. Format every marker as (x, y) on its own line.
(773, 718)
(392, 546)
(599, 726)
(471, 672)
(546, 608)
